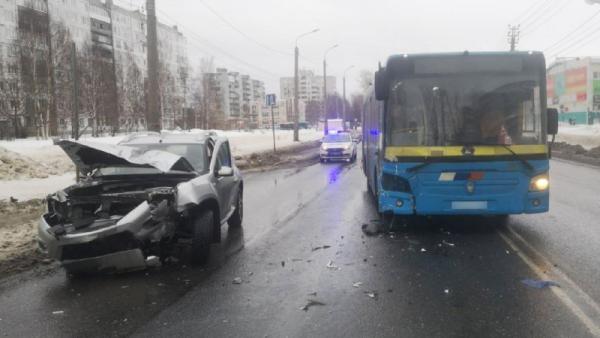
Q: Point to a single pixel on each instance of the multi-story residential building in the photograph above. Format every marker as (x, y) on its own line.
(239, 97)
(42, 40)
(310, 86)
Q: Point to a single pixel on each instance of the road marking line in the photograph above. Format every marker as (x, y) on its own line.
(558, 292)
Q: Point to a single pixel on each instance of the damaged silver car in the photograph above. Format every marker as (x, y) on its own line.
(150, 197)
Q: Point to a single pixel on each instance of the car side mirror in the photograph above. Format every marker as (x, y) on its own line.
(552, 126)
(225, 171)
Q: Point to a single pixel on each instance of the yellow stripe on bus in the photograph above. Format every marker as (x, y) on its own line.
(391, 153)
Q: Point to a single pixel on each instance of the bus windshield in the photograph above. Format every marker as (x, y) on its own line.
(464, 109)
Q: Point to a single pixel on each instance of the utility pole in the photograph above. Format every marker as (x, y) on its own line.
(75, 81)
(272, 101)
(296, 95)
(325, 91)
(51, 118)
(513, 36)
(325, 84)
(344, 94)
(114, 120)
(153, 117)
(296, 98)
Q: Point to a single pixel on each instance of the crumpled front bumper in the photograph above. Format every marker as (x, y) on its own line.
(111, 248)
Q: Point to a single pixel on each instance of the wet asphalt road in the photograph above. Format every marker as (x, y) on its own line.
(450, 278)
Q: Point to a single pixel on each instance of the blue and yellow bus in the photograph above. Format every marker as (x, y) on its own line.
(459, 134)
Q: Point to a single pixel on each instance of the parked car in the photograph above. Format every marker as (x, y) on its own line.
(150, 197)
(338, 147)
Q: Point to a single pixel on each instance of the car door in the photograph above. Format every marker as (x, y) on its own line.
(225, 185)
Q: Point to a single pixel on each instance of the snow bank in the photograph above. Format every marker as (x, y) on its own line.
(46, 168)
(588, 136)
(26, 189)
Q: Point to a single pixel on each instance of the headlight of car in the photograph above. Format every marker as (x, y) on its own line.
(347, 147)
(539, 183)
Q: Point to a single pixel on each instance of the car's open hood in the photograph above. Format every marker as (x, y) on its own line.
(88, 156)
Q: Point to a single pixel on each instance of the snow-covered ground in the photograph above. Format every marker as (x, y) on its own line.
(588, 136)
(44, 152)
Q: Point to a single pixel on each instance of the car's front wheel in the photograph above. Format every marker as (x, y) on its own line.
(236, 218)
(202, 235)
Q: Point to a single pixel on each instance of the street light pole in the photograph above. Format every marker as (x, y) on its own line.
(296, 84)
(344, 93)
(325, 83)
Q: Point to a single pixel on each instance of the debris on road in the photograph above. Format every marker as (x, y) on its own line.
(237, 280)
(310, 303)
(321, 247)
(332, 266)
(314, 294)
(448, 243)
(282, 263)
(59, 312)
(447, 291)
(423, 250)
(357, 284)
(371, 294)
(539, 284)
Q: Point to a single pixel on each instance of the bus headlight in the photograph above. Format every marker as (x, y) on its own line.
(539, 183)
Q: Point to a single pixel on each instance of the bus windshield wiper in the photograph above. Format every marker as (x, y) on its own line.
(515, 155)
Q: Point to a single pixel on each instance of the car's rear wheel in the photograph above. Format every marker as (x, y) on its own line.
(237, 217)
(202, 235)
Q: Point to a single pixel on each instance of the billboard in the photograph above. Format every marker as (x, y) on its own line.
(567, 87)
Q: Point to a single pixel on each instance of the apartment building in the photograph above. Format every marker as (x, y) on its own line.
(47, 42)
(310, 86)
(239, 98)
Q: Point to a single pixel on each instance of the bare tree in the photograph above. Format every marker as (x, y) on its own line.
(62, 42)
(183, 70)
(133, 94)
(365, 79)
(96, 86)
(34, 69)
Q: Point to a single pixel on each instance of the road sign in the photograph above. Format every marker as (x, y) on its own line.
(271, 100)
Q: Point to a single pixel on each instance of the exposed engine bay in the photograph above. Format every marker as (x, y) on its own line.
(96, 205)
(137, 203)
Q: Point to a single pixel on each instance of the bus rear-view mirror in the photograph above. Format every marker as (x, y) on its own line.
(381, 85)
(552, 121)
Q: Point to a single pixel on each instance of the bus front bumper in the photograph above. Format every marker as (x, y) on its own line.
(401, 203)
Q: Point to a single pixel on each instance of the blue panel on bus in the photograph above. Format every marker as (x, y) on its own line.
(487, 187)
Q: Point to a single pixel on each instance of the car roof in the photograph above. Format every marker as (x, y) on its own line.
(171, 138)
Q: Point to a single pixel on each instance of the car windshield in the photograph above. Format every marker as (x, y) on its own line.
(464, 109)
(193, 153)
(337, 138)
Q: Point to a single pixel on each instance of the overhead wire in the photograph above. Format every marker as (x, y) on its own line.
(544, 19)
(568, 35)
(582, 42)
(202, 41)
(241, 32)
(535, 14)
(526, 12)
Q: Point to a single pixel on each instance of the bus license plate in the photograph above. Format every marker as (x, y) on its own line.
(469, 205)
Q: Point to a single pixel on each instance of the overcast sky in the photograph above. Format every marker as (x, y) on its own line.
(369, 31)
